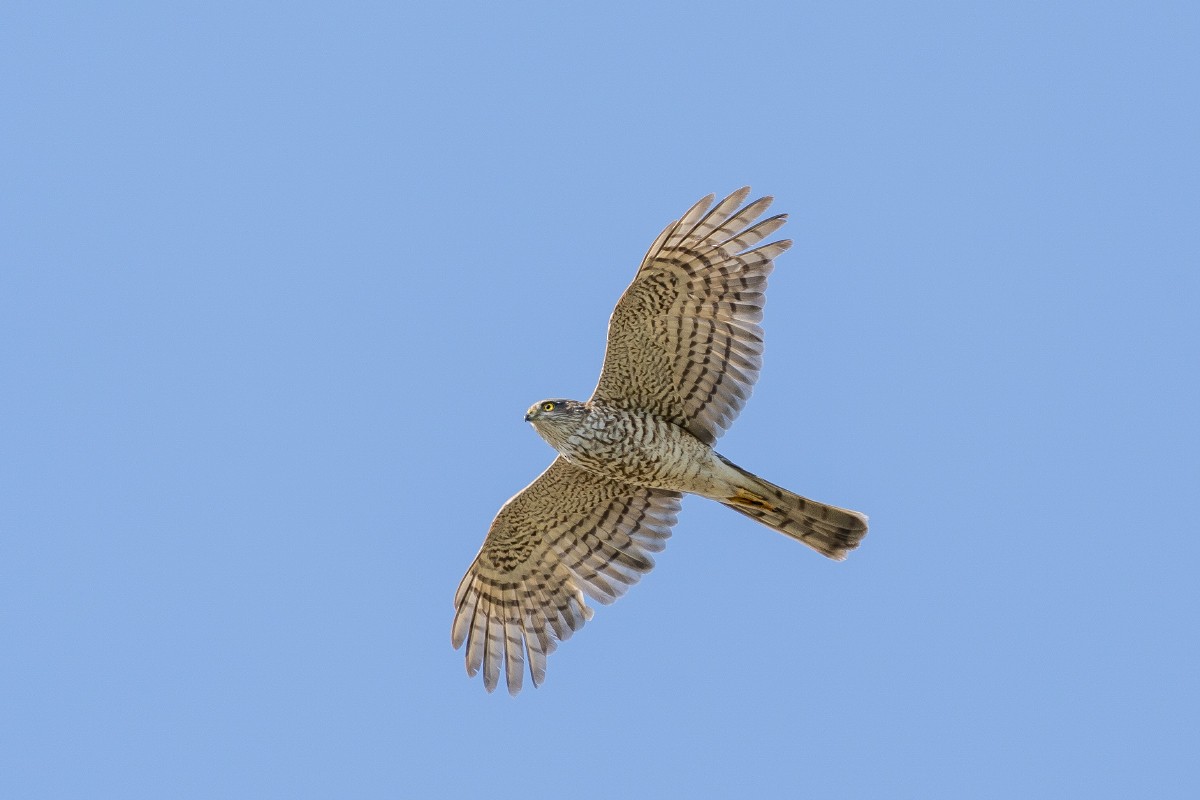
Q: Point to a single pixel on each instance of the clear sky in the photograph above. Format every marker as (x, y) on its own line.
(277, 282)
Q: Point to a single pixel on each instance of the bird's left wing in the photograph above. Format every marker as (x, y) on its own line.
(684, 341)
(567, 533)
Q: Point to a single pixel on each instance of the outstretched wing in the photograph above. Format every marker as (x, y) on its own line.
(567, 533)
(684, 340)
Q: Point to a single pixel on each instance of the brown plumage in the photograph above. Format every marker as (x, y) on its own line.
(684, 350)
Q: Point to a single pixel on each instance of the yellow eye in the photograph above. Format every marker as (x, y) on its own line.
(547, 406)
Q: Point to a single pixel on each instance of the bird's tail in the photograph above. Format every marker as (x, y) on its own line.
(829, 530)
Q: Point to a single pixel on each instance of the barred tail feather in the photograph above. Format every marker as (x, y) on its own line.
(829, 530)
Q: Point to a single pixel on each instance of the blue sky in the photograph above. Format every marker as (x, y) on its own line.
(277, 283)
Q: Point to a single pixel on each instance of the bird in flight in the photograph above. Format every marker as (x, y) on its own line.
(684, 350)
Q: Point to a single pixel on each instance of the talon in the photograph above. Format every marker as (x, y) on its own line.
(750, 500)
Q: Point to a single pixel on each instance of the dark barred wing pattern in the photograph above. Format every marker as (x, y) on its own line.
(568, 533)
(684, 340)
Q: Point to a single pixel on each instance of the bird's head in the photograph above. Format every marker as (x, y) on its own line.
(554, 420)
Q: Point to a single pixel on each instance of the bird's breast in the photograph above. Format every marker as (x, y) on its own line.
(639, 448)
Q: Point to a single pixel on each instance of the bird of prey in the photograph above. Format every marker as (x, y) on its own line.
(684, 349)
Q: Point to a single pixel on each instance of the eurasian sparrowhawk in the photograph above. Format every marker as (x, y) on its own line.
(684, 350)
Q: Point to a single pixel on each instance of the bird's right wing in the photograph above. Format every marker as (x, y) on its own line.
(568, 532)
